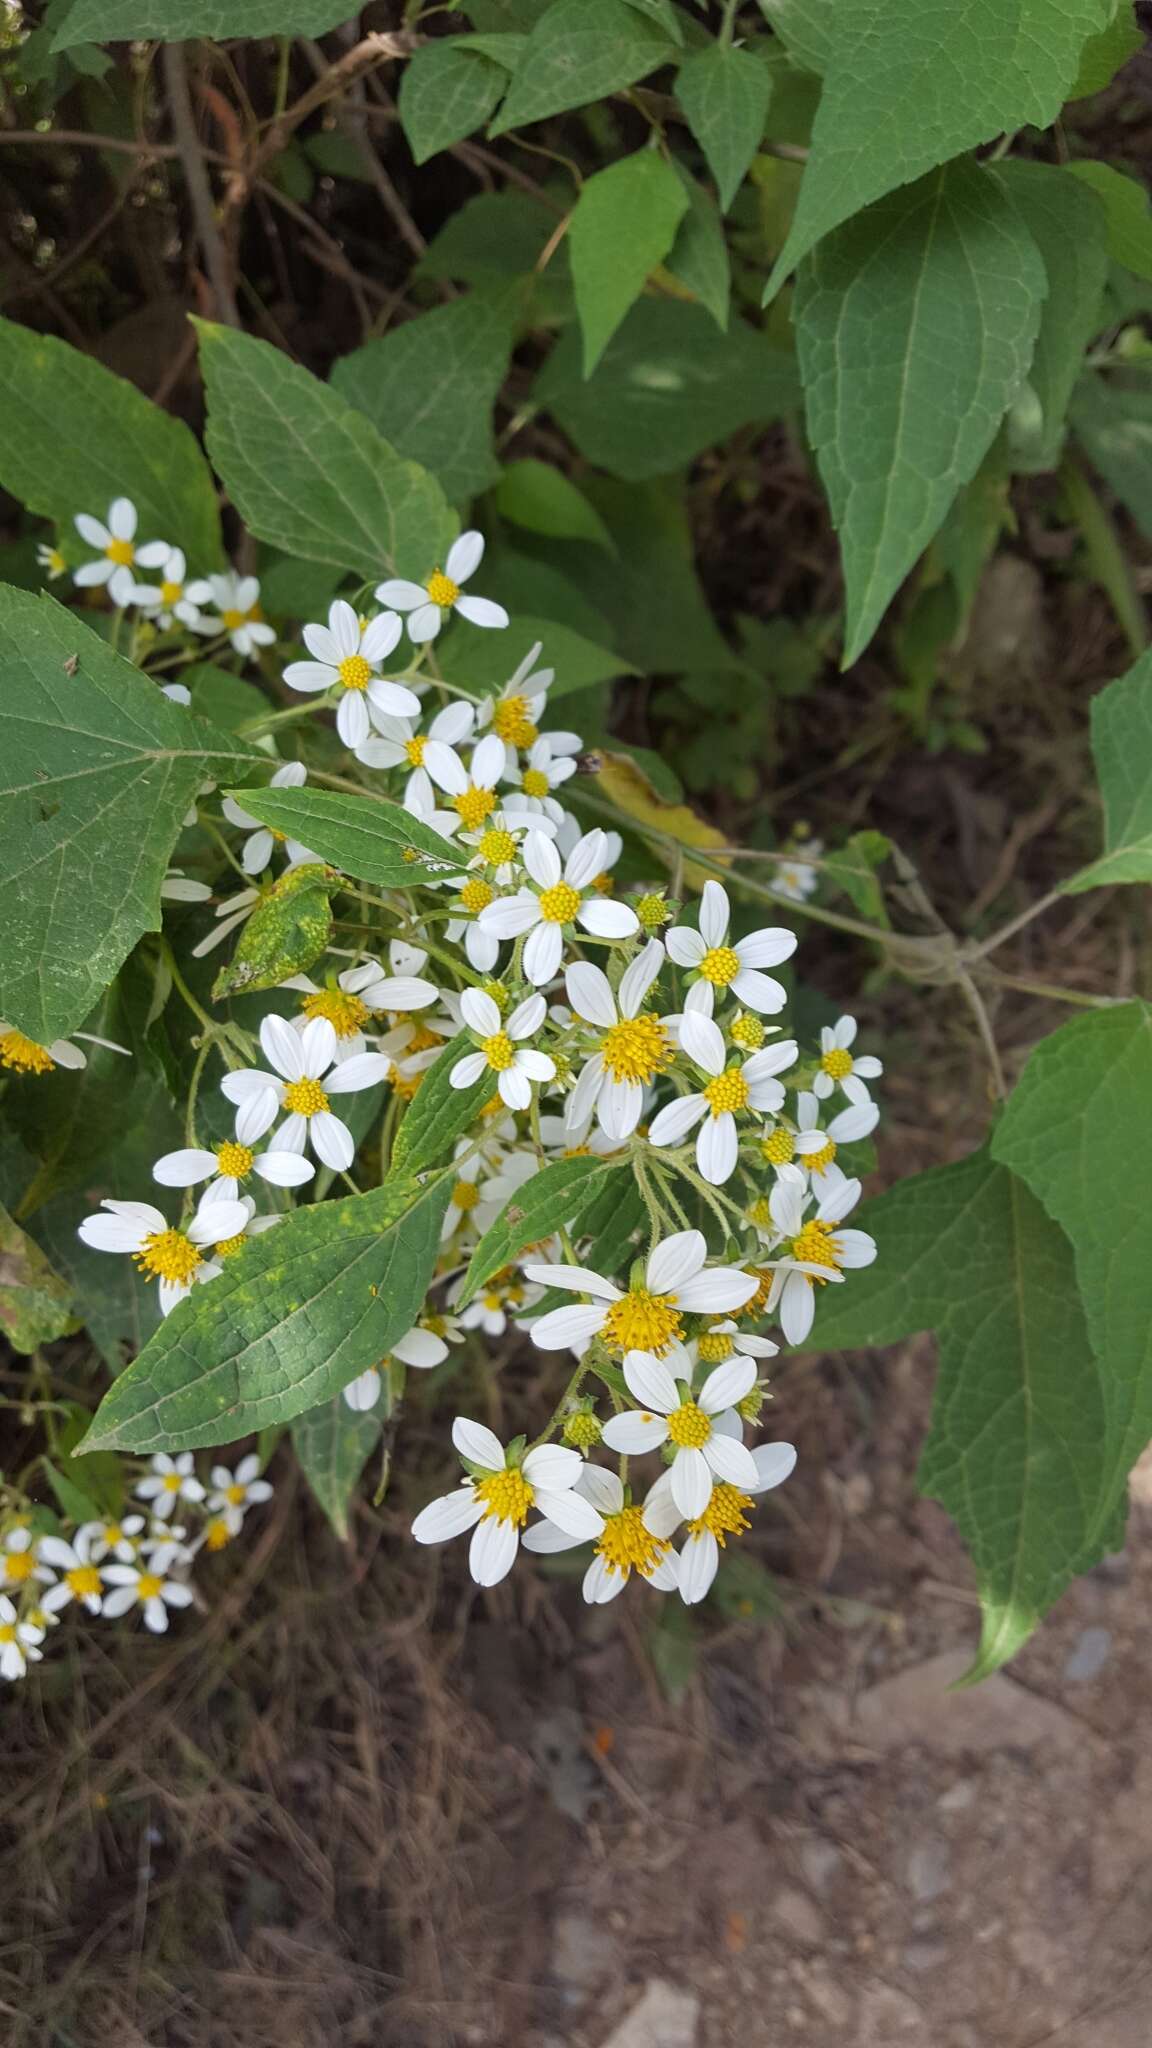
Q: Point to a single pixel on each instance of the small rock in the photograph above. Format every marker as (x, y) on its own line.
(957, 1797)
(888, 2016)
(917, 1708)
(927, 1869)
(666, 2017)
(584, 1953)
(832, 2004)
(795, 1913)
(925, 1955)
(1089, 1655)
(820, 1861)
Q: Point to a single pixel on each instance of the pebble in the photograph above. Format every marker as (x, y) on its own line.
(927, 1869)
(666, 2017)
(1089, 1654)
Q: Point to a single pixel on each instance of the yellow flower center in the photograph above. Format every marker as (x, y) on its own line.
(507, 1497)
(560, 904)
(121, 552)
(499, 1052)
(641, 1321)
(236, 1495)
(756, 1306)
(217, 1533)
(511, 722)
(761, 1213)
(816, 1246)
(19, 1565)
(168, 1255)
(423, 1037)
(725, 1513)
(23, 1055)
(148, 1585)
(347, 1014)
(305, 1098)
(232, 620)
(7, 1632)
(582, 1429)
(55, 563)
(626, 1545)
(473, 807)
(780, 1148)
(442, 590)
(476, 896)
(728, 1092)
(414, 748)
(837, 1063)
(171, 593)
(747, 1032)
(817, 1161)
(83, 1581)
(113, 1534)
(234, 1160)
(636, 1049)
(227, 1247)
(652, 912)
(465, 1195)
(689, 1428)
(497, 847)
(354, 672)
(172, 1482)
(714, 1347)
(535, 782)
(720, 965)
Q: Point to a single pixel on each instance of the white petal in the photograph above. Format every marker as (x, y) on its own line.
(480, 1012)
(543, 952)
(675, 1260)
(759, 992)
(403, 596)
(774, 1463)
(797, 1308)
(332, 1141)
(726, 1384)
(282, 1049)
(420, 1348)
(607, 920)
(691, 1483)
(719, 1291)
(514, 1088)
(586, 859)
(602, 1488)
(464, 556)
(122, 518)
(492, 1551)
(423, 625)
(590, 993)
(352, 720)
(650, 1382)
(322, 644)
(448, 1516)
(717, 1149)
(676, 1119)
(309, 676)
(564, 1328)
(714, 914)
(479, 1444)
(184, 1169)
(576, 1277)
(703, 1041)
(362, 1070)
(467, 1071)
(699, 1560)
(766, 948)
(637, 979)
(547, 1540)
(570, 1512)
(636, 1431)
(283, 1169)
(317, 1044)
(527, 1017)
(685, 946)
(542, 860)
(256, 1114)
(619, 1108)
(730, 1460)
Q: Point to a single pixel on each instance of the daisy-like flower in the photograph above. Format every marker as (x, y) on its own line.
(816, 1148)
(514, 1064)
(794, 879)
(346, 654)
(145, 1586)
(516, 713)
(625, 1544)
(427, 604)
(496, 1499)
(668, 1414)
(636, 1045)
(238, 613)
(173, 597)
(737, 966)
(261, 841)
(648, 1318)
(726, 1340)
(176, 1258)
(228, 1165)
(818, 1251)
(724, 1514)
(543, 772)
(167, 1481)
(233, 1493)
(497, 846)
(19, 1559)
(351, 998)
(23, 1055)
(471, 791)
(301, 1060)
(503, 1297)
(559, 900)
(51, 560)
(735, 1088)
(113, 1539)
(19, 1641)
(418, 1347)
(397, 744)
(117, 544)
(838, 1067)
(80, 1578)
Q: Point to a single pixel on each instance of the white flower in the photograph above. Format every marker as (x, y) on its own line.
(624, 1545)
(237, 601)
(233, 1493)
(22, 1055)
(721, 1517)
(349, 1001)
(816, 1148)
(18, 1641)
(174, 1257)
(749, 1085)
(838, 1068)
(50, 560)
(81, 1579)
(515, 1066)
(688, 1421)
(472, 790)
(495, 1501)
(559, 900)
(18, 1558)
(396, 742)
(169, 1480)
(794, 879)
(636, 1045)
(417, 1347)
(818, 1250)
(495, 1305)
(736, 966)
(646, 1319)
(301, 1059)
(145, 1586)
(258, 847)
(516, 713)
(427, 603)
(227, 1166)
(497, 849)
(726, 1338)
(113, 1539)
(543, 771)
(346, 653)
(116, 542)
(174, 597)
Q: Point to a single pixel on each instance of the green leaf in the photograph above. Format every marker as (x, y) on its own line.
(438, 1113)
(578, 51)
(97, 772)
(975, 520)
(725, 93)
(555, 1199)
(480, 666)
(698, 257)
(363, 836)
(1105, 555)
(853, 867)
(286, 933)
(663, 13)
(1129, 221)
(308, 472)
(1076, 1129)
(333, 1444)
(916, 325)
(75, 437)
(35, 1303)
(177, 21)
(71, 1499)
(492, 238)
(910, 85)
(667, 387)
(1067, 225)
(1015, 1448)
(1113, 420)
(1122, 750)
(293, 1317)
(1104, 53)
(623, 225)
(540, 497)
(430, 386)
(447, 91)
(229, 701)
(810, 30)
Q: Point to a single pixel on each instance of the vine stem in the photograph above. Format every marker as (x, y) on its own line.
(569, 1395)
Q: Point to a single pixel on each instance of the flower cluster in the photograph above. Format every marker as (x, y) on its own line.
(589, 1013)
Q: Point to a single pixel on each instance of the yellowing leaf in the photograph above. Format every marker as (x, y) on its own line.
(629, 789)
